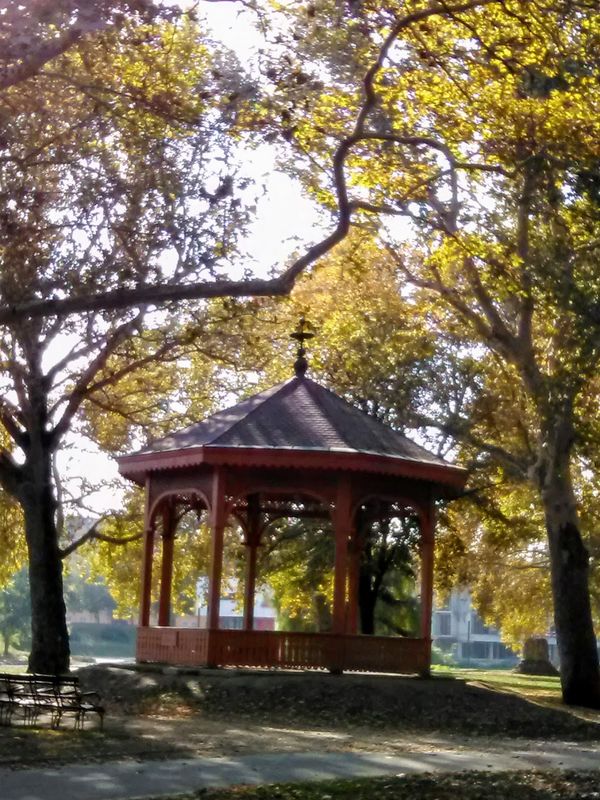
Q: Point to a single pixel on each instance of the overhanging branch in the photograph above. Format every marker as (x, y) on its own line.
(159, 294)
(42, 54)
(93, 533)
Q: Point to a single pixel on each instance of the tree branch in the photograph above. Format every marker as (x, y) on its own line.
(81, 388)
(164, 293)
(461, 434)
(11, 475)
(438, 9)
(8, 420)
(92, 533)
(17, 73)
(84, 17)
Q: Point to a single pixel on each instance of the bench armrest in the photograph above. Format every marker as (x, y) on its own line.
(88, 695)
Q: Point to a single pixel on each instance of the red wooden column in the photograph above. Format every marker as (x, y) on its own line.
(427, 524)
(166, 575)
(353, 578)
(253, 526)
(342, 525)
(216, 559)
(147, 554)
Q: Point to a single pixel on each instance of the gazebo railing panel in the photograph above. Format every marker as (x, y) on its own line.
(243, 648)
(282, 649)
(386, 654)
(271, 649)
(306, 650)
(185, 646)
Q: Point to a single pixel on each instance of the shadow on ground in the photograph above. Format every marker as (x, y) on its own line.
(167, 714)
(436, 705)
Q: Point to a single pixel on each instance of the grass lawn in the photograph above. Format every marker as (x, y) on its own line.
(533, 687)
(459, 786)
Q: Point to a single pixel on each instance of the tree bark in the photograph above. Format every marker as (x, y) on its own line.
(569, 561)
(49, 635)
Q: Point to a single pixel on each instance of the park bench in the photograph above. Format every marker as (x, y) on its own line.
(28, 696)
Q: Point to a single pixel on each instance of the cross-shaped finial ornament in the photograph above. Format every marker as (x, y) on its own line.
(302, 335)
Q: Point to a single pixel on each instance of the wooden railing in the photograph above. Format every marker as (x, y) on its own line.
(339, 653)
(184, 646)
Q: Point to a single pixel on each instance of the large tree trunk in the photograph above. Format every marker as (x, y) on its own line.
(49, 635)
(569, 560)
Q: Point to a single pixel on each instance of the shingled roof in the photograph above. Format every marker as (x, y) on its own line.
(298, 414)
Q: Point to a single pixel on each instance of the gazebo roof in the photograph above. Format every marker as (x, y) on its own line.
(295, 417)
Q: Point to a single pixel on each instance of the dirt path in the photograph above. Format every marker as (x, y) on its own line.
(121, 780)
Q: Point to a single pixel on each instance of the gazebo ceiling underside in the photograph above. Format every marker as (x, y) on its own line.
(297, 425)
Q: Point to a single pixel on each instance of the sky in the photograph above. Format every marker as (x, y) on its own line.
(283, 208)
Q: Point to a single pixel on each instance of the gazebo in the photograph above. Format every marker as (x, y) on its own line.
(294, 450)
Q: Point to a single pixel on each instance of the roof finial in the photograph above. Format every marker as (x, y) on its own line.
(301, 335)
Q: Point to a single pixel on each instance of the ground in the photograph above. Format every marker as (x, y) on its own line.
(165, 714)
(517, 786)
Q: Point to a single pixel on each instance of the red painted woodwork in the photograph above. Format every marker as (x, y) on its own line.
(216, 568)
(147, 557)
(427, 519)
(257, 485)
(342, 526)
(249, 587)
(285, 650)
(137, 466)
(187, 647)
(353, 576)
(253, 528)
(166, 574)
(146, 587)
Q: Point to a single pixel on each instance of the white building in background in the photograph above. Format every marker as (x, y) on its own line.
(231, 616)
(459, 631)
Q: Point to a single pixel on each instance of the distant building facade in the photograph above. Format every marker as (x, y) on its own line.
(458, 630)
(230, 614)
(231, 618)
(104, 616)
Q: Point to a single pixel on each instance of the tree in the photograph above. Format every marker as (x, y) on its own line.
(84, 594)
(478, 130)
(493, 540)
(36, 39)
(104, 185)
(386, 596)
(372, 346)
(15, 611)
(296, 563)
(35, 34)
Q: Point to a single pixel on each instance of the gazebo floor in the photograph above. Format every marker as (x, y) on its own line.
(282, 649)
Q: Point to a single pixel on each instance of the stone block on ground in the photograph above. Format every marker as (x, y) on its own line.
(536, 658)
